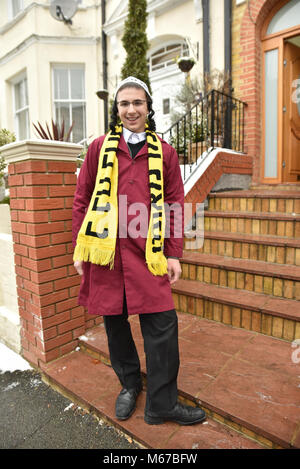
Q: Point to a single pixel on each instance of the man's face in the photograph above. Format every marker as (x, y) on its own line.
(132, 108)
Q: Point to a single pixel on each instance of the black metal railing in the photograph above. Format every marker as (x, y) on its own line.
(217, 120)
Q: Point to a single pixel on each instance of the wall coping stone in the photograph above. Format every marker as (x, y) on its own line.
(40, 150)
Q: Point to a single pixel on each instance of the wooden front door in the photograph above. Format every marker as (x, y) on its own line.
(291, 111)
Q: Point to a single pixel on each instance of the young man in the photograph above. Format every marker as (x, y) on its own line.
(128, 180)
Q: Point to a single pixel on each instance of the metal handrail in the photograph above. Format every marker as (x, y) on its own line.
(216, 120)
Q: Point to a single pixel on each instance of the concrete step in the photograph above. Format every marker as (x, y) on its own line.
(256, 223)
(265, 248)
(257, 312)
(281, 201)
(247, 383)
(94, 386)
(279, 280)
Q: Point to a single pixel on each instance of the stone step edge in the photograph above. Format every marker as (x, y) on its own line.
(239, 425)
(270, 240)
(276, 216)
(248, 265)
(252, 301)
(85, 403)
(257, 194)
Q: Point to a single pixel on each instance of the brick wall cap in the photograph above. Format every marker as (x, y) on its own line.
(40, 150)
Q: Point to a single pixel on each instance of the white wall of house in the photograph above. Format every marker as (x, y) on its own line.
(32, 42)
(9, 312)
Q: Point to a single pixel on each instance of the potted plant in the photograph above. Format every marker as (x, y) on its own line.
(186, 63)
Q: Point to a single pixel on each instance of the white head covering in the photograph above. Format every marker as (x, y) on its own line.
(133, 80)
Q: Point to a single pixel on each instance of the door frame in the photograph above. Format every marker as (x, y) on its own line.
(268, 43)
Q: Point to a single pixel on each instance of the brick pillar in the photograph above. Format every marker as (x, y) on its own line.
(42, 183)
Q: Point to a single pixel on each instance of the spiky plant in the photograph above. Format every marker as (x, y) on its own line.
(58, 131)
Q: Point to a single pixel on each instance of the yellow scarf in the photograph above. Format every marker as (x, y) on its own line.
(96, 240)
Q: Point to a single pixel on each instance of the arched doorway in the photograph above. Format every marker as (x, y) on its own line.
(281, 94)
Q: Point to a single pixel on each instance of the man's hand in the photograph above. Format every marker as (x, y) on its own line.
(174, 270)
(78, 267)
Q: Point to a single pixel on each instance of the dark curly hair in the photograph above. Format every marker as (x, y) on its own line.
(114, 118)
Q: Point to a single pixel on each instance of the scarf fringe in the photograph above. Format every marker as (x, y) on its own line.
(94, 255)
(158, 268)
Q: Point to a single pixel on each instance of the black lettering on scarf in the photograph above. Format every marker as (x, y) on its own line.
(105, 163)
(154, 147)
(105, 191)
(157, 226)
(156, 172)
(155, 186)
(152, 135)
(89, 232)
(113, 139)
(155, 198)
(95, 208)
(156, 207)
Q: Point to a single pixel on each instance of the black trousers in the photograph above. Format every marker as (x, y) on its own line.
(160, 334)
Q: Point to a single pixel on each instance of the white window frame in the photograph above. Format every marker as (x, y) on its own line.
(69, 101)
(11, 14)
(16, 81)
(182, 49)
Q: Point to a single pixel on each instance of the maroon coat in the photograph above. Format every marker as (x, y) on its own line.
(102, 289)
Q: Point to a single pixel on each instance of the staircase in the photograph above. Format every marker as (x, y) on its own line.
(239, 315)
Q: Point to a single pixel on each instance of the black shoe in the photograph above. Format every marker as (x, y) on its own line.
(182, 414)
(125, 403)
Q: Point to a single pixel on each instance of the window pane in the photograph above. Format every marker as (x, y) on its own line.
(17, 5)
(271, 102)
(61, 84)
(173, 46)
(160, 51)
(62, 112)
(78, 116)
(77, 84)
(17, 96)
(166, 57)
(287, 17)
(21, 96)
(23, 125)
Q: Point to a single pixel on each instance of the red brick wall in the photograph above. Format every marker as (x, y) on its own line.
(41, 194)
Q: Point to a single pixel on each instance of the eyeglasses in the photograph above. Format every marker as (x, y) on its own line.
(135, 103)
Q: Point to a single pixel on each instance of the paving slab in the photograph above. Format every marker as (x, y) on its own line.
(95, 384)
(244, 376)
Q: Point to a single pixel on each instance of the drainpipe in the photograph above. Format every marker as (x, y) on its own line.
(104, 63)
(228, 41)
(206, 64)
(228, 69)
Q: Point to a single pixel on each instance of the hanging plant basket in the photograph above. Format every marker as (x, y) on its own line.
(186, 63)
